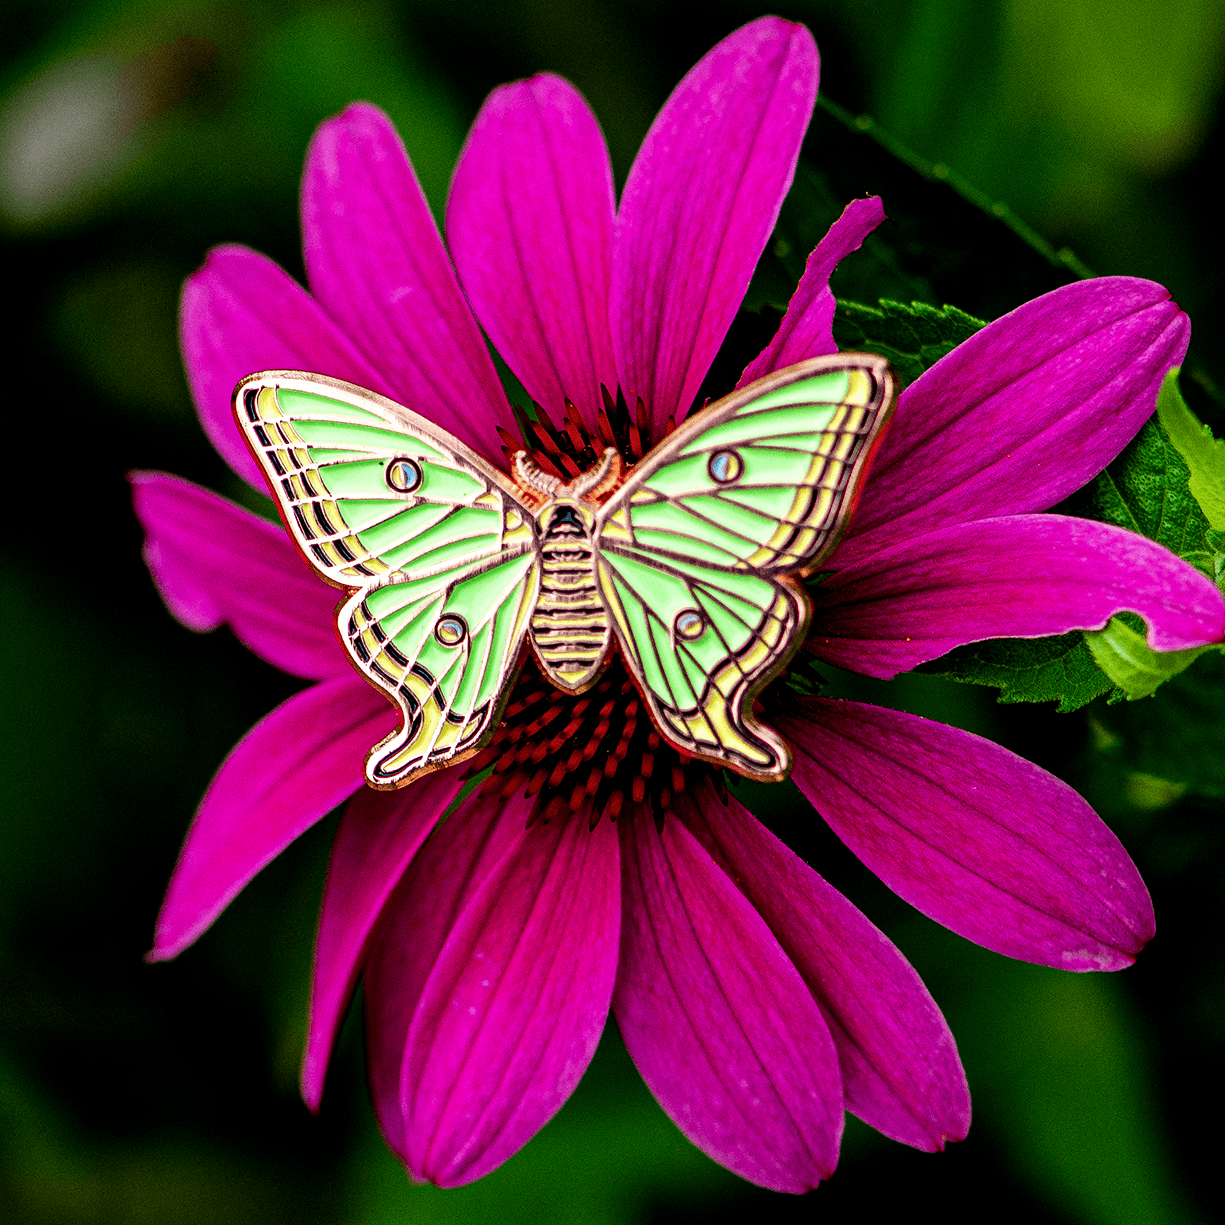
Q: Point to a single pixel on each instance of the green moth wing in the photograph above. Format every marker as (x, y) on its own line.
(699, 555)
(446, 648)
(438, 554)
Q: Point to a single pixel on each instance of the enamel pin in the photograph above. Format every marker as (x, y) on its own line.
(690, 561)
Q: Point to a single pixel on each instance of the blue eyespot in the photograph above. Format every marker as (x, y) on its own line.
(725, 466)
(403, 475)
(689, 624)
(451, 630)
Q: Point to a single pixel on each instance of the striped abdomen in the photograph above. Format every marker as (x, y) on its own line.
(569, 629)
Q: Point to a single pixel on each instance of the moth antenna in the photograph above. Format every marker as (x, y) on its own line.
(601, 480)
(533, 478)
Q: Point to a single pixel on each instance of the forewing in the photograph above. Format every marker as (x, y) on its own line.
(764, 480)
(368, 488)
(441, 552)
(701, 551)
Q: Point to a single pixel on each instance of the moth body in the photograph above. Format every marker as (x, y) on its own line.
(569, 628)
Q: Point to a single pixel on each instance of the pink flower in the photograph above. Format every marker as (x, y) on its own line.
(756, 1000)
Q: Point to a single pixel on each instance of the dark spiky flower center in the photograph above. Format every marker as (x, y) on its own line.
(570, 449)
(596, 754)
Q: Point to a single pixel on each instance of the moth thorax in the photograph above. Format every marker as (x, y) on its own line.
(569, 628)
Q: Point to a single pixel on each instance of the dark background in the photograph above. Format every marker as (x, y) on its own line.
(135, 135)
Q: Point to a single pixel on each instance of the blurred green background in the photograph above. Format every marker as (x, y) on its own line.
(135, 135)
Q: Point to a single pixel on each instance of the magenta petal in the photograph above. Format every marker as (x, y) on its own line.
(215, 563)
(900, 1069)
(977, 838)
(806, 329)
(378, 836)
(1022, 413)
(515, 1004)
(376, 263)
(412, 930)
(294, 766)
(529, 222)
(1024, 576)
(700, 203)
(718, 1020)
(241, 313)
(496, 959)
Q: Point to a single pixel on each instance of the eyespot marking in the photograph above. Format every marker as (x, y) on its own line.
(725, 466)
(403, 475)
(689, 625)
(451, 630)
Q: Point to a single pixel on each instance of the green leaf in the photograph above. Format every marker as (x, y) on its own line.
(1203, 454)
(1059, 669)
(1123, 655)
(912, 337)
(1146, 489)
